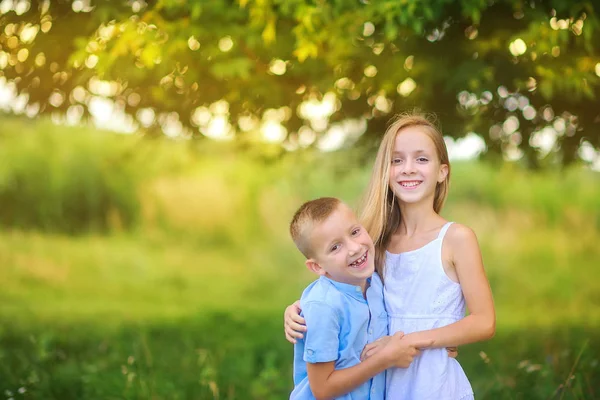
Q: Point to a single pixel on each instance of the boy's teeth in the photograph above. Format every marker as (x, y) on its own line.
(359, 261)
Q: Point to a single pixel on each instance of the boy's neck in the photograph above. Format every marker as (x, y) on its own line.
(363, 285)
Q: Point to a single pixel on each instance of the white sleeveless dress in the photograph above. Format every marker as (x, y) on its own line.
(419, 296)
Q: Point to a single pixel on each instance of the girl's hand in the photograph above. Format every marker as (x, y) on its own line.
(401, 350)
(372, 348)
(293, 323)
(452, 352)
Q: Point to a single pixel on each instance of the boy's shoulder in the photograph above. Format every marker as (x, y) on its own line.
(322, 291)
(376, 280)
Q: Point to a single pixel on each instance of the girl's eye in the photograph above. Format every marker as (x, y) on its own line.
(334, 247)
(356, 232)
(396, 160)
(422, 159)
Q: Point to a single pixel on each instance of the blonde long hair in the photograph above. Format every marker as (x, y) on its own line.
(380, 214)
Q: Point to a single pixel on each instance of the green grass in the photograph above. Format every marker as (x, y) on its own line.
(243, 356)
(158, 315)
(187, 302)
(134, 277)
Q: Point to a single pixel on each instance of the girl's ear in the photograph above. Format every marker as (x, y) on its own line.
(443, 173)
(313, 266)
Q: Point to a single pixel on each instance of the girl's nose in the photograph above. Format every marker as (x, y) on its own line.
(409, 167)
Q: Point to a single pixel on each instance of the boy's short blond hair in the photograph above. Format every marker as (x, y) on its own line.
(310, 213)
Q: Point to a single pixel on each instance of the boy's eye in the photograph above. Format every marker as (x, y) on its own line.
(422, 159)
(334, 247)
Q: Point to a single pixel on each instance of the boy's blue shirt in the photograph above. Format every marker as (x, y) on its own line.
(340, 323)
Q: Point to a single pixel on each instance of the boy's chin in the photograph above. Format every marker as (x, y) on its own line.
(370, 269)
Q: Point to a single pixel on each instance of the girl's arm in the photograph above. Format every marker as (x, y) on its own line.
(293, 323)
(480, 324)
(326, 382)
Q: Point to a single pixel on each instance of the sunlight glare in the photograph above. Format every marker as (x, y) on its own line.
(517, 47)
(544, 140)
(406, 87)
(278, 67)
(218, 128)
(273, 131)
(466, 148)
(225, 44)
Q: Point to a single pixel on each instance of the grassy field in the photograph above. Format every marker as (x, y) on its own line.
(185, 301)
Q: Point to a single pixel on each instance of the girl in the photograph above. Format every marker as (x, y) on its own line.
(430, 267)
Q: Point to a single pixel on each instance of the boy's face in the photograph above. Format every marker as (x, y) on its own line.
(342, 249)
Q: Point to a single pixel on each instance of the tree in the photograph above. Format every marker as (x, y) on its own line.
(505, 69)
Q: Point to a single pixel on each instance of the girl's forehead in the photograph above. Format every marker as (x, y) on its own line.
(412, 139)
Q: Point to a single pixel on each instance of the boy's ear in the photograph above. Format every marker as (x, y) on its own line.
(313, 266)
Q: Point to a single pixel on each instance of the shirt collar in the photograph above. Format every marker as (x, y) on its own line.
(351, 290)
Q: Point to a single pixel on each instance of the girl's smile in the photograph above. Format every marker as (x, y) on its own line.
(415, 168)
(409, 185)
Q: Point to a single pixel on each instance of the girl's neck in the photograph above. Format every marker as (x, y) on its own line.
(417, 217)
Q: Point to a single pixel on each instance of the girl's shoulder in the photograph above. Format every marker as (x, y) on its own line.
(459, 235)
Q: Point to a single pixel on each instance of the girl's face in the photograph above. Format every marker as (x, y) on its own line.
(416, 169)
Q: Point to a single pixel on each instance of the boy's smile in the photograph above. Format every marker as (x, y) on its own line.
(361, 262)
(342, 249)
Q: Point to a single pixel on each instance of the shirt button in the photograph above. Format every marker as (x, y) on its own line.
(371, 331)
(310, 352)
(358, 289)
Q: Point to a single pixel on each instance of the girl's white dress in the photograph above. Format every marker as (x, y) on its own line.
(420, 296)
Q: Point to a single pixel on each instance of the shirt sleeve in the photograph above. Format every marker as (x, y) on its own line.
(323, 331)
(377, 284)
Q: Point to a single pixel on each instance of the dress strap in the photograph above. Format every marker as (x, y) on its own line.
(444, 230)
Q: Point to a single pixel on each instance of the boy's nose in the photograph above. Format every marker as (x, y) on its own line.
(354, 247)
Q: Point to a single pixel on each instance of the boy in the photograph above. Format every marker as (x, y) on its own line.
(343, 309)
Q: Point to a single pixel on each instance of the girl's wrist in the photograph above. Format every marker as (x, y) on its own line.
(417, 337)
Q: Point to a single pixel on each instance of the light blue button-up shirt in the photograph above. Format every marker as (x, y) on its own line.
(340, 323)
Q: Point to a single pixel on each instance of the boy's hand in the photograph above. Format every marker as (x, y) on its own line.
(293, 323)
(373, 348)
(401, 351)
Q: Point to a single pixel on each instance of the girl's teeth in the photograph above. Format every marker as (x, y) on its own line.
(410, 184)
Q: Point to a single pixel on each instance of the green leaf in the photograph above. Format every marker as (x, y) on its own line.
(269, 33)
(232, 68)
(546, 89)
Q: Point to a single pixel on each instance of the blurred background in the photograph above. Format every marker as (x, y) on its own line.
(152, 154)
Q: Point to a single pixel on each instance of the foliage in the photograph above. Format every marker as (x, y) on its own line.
(67, 180)
(220, 356)
(99, 181)
(187, 302)
(475, 63)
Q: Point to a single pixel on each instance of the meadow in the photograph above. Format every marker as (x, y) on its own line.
(149, 269)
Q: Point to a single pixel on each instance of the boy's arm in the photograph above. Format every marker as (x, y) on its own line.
(326, 382)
